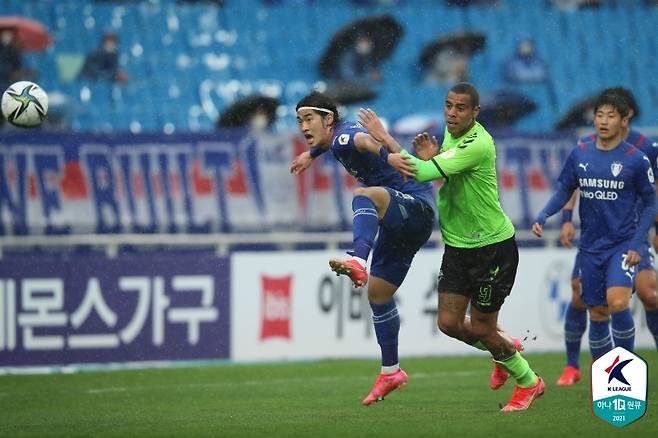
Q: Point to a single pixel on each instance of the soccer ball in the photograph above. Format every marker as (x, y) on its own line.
(24, 104)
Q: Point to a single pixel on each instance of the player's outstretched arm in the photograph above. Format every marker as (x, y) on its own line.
(557, 201)
(304, 160)
(568, 231)
(301, 163)
(369, 120)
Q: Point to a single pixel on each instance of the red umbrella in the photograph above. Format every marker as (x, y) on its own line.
(31, 35)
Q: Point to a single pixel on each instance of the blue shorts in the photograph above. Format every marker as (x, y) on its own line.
(404, 229)
(646, 262)
(601, 271)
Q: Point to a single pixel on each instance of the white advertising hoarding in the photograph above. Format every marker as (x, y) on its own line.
(289, 305)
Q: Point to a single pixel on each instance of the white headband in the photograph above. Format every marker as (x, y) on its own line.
(324, 110)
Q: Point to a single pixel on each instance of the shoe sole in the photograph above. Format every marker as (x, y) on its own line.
(340, 269)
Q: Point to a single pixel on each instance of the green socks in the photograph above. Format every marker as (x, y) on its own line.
(519, 368)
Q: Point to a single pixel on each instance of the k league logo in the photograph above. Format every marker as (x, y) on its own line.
(619, 387)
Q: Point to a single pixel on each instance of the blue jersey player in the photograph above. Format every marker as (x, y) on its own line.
(617, 196)
(399, 213)
(646, 284)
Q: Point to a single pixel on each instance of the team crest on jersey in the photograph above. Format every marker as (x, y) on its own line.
(650, 175)
(615, 168)
(343, 139)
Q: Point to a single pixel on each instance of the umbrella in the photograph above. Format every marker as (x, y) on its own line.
(462, 42)
(580, 114)
(31, 35)
(349, 92)
(504, 108)
(384, 31)
(239, 113)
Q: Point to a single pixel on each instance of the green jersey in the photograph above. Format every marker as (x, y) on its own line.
(470, 214)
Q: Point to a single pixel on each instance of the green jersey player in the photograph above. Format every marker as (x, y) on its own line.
(481, 257)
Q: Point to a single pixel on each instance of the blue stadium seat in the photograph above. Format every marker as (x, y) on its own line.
(167, 45)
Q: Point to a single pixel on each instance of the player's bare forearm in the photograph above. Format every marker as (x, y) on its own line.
(567, 234)
(402, 164)
(369, 120)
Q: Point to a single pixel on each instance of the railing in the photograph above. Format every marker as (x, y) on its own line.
(221, 242)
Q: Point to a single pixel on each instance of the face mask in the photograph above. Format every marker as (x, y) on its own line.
(526, 49)
(259, 122)
(110, 47)
(6, 37)
(363, 47)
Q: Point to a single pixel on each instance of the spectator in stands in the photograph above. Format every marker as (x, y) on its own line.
(525, 66)
(378, 2)
(103, 63)
(465, 3)
(11, 60)
(358, 63)
(572, 5)
(449, 66)
(525, 74)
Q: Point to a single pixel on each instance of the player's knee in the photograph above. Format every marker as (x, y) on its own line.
(577, 301)
(360, 191)
(617, 304)
(449, 325)
(599, 313)
(649, 297)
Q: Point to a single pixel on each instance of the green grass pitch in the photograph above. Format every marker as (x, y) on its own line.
(446, 396)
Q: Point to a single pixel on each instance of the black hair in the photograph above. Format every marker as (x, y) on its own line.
(627, 95)
(614, 100)
(466, 88)
(320, 100)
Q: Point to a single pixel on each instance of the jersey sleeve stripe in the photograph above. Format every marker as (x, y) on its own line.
(639, 141)
(443, 174)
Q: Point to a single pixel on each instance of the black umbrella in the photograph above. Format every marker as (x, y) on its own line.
(240, 112)
(579, 115)
(504, 108)
(466, 43)
(384, 31)
(349, 92)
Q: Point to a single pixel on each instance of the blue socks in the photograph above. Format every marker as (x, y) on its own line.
(623, 333)
(387, 326)
(575, 323)
(623, 329)
(652, 324)
(600, 341)
(365, 223)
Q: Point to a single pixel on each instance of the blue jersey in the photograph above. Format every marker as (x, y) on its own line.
(370, 169)
(611, 184)
(640, 141)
